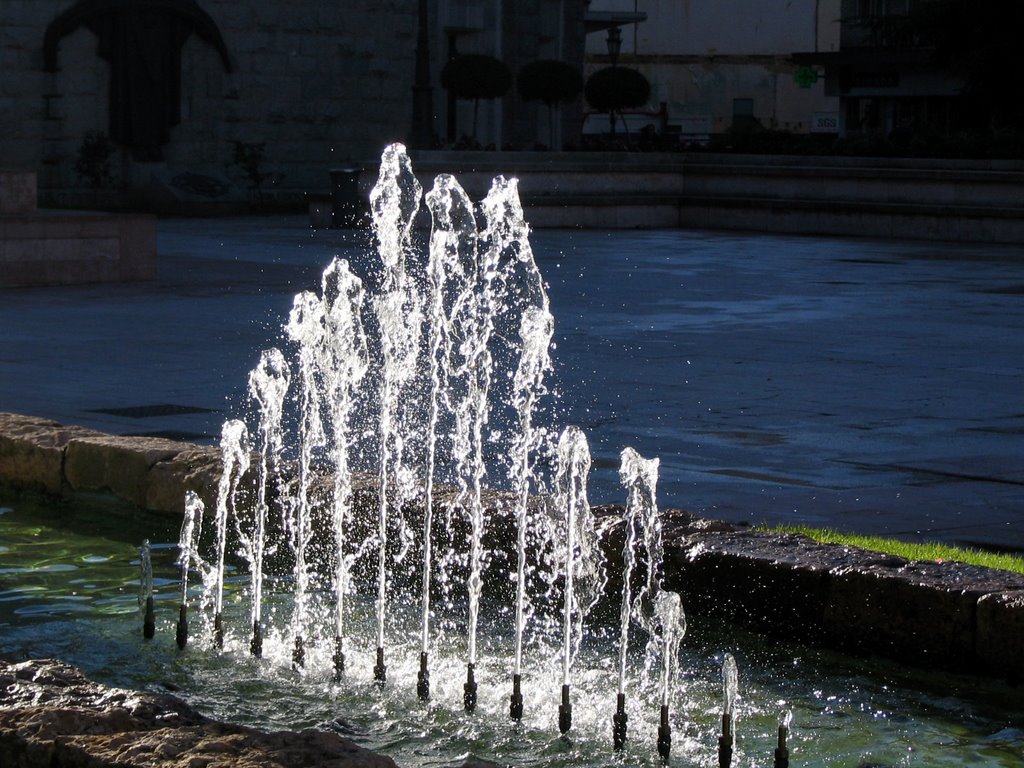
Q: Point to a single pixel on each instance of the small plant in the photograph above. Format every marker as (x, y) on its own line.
(249, 158)
(93, 163)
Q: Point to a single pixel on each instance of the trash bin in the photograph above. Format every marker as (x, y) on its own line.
(345, 196)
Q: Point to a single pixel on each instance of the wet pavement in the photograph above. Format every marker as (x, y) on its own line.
(860, 384)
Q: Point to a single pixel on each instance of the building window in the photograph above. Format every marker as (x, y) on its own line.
(877, 9)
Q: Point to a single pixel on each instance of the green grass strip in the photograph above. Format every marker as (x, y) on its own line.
(927, 551)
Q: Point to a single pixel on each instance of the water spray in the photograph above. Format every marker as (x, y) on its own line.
(642, 529)
(191, 527)
(305, 326)
(583, 570)
(343, 366)
(234, 452)
(484, 303)
(394, 201)
(268, 384)
(668, 610)
(450, 267)
(536, 328)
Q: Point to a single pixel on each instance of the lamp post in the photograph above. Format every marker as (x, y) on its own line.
(614, 43)
(422, 134)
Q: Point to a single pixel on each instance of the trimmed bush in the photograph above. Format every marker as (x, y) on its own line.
(476, 76)
(613, 89)
(549, 81)
(552, 82)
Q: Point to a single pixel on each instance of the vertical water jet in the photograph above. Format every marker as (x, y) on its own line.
(191, 528)
(234, 451)
(268, 385)
(642, 531)
(450, 267)
(583, 571)
(394, 201)
(669, 613)
(305, 327)
(343, 366)
(535, 331)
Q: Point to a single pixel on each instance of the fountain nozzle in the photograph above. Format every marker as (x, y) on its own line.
(725, 742)
(565, 712)
(182, 634)
(218, 629)
(380, 670)
(664, 735)
(781, 750)
(469, 689)
(149, 620)
(256, 646)
(619, 720)
(423, 679)
(515, 709)
(339, 658)
(298, 653)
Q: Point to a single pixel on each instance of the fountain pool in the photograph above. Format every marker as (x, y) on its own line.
(70, 584)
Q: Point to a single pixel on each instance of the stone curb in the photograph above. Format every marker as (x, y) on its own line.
(951, 616)
(42, 455)
(948, 616)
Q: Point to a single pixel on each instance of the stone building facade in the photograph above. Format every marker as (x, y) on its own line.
(715, 63)
(314, 82)
(310, 84)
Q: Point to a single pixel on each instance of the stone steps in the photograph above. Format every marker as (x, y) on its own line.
(68, 247)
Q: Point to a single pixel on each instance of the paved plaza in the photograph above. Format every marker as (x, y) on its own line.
(866, 385)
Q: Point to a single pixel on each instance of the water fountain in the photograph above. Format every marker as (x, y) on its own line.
(479, 334)
(434, 372)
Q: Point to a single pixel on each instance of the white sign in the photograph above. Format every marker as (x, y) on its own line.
(825, 122)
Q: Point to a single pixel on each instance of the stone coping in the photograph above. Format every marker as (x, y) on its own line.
(52, 715)
(947, 616)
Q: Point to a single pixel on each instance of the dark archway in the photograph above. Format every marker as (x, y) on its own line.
(142, 40)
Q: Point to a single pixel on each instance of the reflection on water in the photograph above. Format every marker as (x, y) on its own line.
(69, 589)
